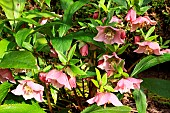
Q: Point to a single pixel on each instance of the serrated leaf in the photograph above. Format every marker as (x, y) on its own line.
(12, 8)
(109, 88)
(4, 88)
(140, 100)
(62, 57)
(18, 59)
(98, 75)
(76, 70)
(4, 46)
(20, 108)
(104, 80)
(150, 61)
(157, 86)
(95, 83)
(150, 31)
(61, 44)
(71, 52)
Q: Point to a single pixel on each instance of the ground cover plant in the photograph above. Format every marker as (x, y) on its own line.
(79, 55)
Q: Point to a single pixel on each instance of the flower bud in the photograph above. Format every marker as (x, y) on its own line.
(95, 15)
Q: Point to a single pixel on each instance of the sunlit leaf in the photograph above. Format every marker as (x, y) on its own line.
(4, 88)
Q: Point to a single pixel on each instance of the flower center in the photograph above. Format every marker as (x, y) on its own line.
(109, 33)
(28, 90)
(148, 50)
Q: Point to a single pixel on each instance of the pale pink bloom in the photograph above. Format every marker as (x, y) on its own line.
(115, 19)
(72, 82)
(109, 35)
(131, 15)
(137, 39)
(28, 89)
(141, 22)
(103, 98)
(58, 79)
(84, 50)
(148, 47)
(42, 77)
(107, 62)
(125, 85)
(95, 15)
(6, 74)
(165, 51)
(53, 53)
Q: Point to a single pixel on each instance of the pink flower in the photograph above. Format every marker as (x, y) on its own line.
(58, 79)
(142, 22)
(109, 61)
(84, 50)
(125, 85)
(148, 47)
(28, 89)
(103, 98)
(131, 16)
(137, 39)
(42, 77)
(72, 82)
(95, 15)
(115, 19)
(109, 35)
(6, 74)
(165, 51)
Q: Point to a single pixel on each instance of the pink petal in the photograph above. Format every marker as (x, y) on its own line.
(131, 15)
(115, 19)
(72, 82)
(114, 100)
(19, 90)
(84, 50)
(34, 86)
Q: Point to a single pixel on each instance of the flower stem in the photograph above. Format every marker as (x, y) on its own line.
(48, 98)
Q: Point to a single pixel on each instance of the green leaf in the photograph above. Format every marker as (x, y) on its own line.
(62, 57)
(118, 109)
(109, 88)
(66, 3)
(140, 2)
(4, 88)
(143, 9)
(68, 13)
(152, 37)
(28, 20)
(104, 80)
(21, 35)
(150, 31)
(121, 3)
(150, 61)
(41, 14)
(4, 46)
(61, 44)
(145, 2)
(122, 49)
(157, 86)
(76, 70)
(91, 108)
(95, 83)
(48, 2)
(12, 8)
(140, 100)
(71, 52)
(20, 108)
(54, 95)
(18, 59)
(98, 75)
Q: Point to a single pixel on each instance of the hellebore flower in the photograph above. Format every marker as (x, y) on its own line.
(103, 98)
(131, 15)
(125, 85)
(148, 47)
(137, 39)
(84, 50)
(72, 82)
(28, 89)
(107, 62)
(115, 19)
(165, 51)
(58, 79)
(6, 74)
(141, 22)
(109, 35)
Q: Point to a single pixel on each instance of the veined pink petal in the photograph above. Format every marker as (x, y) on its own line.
(84, 50)
(18, 90)
(72, 82)
(34, 86)
(114, 100)
(115, 19)
(6, 74)
(131, 15)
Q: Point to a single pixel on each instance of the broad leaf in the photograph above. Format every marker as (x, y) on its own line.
(97, 109)
(121, 3)
(150, 61)
(20, 108)
(150, 31)
(12, 8)
(104, 80)
(66, 3)
(76, 70)
(98, 75)
(71, 52)
(140, 100)
(158, 86)
(4, 88)
(62, 57)
(21, 35)
(48, 2)
(4, 45)
(61, 44)
(18, 59)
